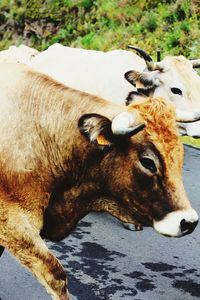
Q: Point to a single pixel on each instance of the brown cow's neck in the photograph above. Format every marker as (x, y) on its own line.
(66, 166)
(62, 150)
(67, 208)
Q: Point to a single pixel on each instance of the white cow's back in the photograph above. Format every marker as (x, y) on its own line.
(102, 74)
(22, 54)
(96, 72)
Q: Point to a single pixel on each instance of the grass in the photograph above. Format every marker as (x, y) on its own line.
(191, 141)
(172, 26)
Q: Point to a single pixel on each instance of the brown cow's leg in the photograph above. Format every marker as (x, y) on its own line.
(24, 242)
(38, 259)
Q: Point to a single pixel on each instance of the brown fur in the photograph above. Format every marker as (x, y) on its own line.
(161, 126)
(51, 175)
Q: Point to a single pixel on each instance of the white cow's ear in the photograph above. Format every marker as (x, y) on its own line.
(195, 63)
(97, 129)
(135, 96)
(143, 79)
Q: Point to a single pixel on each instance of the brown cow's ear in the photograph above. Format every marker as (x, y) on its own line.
(97, 129)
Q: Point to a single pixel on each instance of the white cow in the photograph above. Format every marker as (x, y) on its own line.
(96, 72)
(102, 74)
(22, 54)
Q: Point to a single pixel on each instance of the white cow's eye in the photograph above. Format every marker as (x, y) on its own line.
(176, 91)
(148, 163)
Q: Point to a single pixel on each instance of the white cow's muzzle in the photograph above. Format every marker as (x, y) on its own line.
(190, 129)
(177, 223)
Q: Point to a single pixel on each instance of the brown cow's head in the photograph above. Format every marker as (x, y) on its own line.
(143, 171)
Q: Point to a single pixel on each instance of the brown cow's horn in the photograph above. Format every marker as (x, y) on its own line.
(186, 116)
(195, 63)
(146, 56)
(125, 124)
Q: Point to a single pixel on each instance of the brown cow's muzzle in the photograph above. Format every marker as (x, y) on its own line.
(177, 223)
(188, 227)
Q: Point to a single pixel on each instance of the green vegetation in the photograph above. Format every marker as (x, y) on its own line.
(103, 25)
(191, 141)
(171, 26)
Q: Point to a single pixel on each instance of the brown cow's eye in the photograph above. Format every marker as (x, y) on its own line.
(176, 91)
(148, 163)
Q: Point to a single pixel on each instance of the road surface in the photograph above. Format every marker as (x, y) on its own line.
(104, 261)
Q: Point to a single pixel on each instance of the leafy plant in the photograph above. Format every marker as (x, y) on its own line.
(173, 26)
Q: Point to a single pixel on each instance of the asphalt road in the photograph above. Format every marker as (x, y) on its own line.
(104, 261)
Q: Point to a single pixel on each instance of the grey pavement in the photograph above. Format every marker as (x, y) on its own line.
(104, 261)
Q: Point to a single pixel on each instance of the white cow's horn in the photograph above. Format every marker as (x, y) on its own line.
(195, 63)
(144, 55)
(125, 124)
(186, 116)
(155, 66)
(151, 65)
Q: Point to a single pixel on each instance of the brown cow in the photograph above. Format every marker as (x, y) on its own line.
(70, 153)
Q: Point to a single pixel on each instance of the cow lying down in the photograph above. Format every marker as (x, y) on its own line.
(64, 153)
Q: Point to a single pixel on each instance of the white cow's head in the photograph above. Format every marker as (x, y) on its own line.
(175, 79)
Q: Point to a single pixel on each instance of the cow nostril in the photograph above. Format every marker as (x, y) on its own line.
(183, 225)
(187, 226)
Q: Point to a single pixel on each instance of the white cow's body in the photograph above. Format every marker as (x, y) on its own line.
(22, 54)
(102, 74)
(95, 72)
